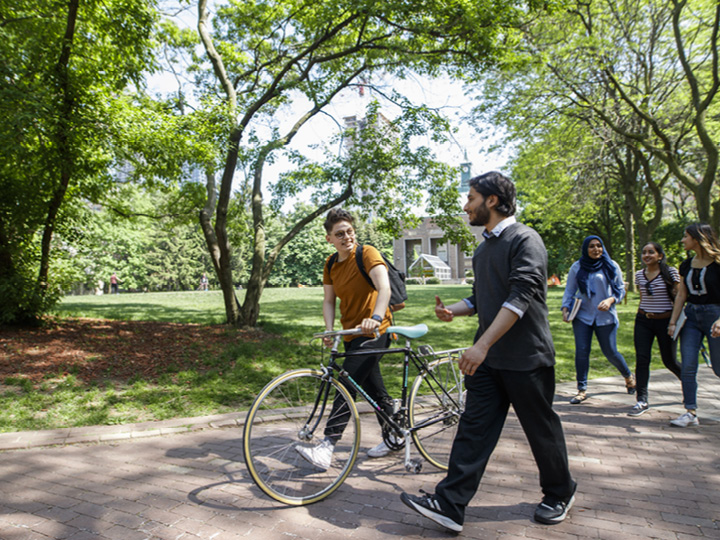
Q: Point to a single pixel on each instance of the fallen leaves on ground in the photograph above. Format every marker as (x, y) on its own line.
(94, 350)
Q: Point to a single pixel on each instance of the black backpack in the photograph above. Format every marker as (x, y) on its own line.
(398, 293)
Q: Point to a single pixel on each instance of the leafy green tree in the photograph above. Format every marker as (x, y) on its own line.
(301, 262)
(605, 84)
(265, 56)
(639, 69)
(142, 238)
(63, 68)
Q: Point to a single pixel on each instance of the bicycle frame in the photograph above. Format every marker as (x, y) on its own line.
(409, 355)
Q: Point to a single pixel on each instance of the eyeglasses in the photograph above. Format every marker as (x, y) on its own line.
(648, 289)
(342, 234)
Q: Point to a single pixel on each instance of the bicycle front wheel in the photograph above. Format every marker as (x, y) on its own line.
(437, 399)
(290, 413)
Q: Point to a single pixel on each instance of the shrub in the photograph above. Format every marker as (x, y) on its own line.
(433, 281)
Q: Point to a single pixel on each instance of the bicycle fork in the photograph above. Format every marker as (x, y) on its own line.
(307, 433)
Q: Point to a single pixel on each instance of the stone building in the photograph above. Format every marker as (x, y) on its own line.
(427, 239)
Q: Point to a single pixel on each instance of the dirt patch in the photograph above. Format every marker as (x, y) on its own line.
(95, 350)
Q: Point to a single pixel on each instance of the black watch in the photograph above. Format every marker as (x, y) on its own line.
(377, 318)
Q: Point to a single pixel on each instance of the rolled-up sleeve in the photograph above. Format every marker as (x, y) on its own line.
(528, 274)
(619, 283)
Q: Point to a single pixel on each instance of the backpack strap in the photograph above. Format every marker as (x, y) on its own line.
(332, 260)
(361, 266)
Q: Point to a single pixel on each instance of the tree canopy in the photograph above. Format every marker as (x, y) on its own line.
(635, 83)
(261, 57)
(63, 68)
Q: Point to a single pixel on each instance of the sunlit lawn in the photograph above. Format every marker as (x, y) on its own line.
(292, 314)
(296, 314)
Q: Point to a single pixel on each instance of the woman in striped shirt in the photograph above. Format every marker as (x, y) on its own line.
(657, 284)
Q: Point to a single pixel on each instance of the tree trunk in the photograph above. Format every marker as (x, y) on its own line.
(63, 143)
(629, 222)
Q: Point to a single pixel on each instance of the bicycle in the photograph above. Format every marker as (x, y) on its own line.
(293, 410)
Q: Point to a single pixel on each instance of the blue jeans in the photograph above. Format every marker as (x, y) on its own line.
(607, 338)
(700, 318)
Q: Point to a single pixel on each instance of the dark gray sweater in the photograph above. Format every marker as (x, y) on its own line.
(512, 268)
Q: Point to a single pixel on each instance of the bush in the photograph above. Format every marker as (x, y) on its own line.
(414, 281)
(470, 280)
(433, 281)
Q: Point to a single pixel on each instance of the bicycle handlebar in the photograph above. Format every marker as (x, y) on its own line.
(333, 333)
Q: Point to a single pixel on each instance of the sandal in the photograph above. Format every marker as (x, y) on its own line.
(630, 384)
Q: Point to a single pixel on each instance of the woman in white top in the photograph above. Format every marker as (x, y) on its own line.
(657, 284)
(700, 288)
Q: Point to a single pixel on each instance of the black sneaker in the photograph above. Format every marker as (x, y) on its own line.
(429, 506)
(551, 511)
(639, 408)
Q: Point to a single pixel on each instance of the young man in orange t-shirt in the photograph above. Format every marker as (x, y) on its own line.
(361, 305)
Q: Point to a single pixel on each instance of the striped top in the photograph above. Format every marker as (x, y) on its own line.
(659, 301)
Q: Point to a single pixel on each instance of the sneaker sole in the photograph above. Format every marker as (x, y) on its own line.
(559, 518)
(637, 413)
(375, 455)
(437, 518)
(696, 423)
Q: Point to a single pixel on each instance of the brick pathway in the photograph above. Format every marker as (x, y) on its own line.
(638, 478)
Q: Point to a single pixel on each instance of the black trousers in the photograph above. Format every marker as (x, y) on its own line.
(646, 330)
(490, 392)
(364, 370)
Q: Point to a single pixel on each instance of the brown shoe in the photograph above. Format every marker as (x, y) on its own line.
(630, 384)
(579, 398)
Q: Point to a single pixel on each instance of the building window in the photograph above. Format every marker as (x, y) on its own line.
(439, 249)
(413, 249)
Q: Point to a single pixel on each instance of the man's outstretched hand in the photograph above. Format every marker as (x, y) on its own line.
(442, 313)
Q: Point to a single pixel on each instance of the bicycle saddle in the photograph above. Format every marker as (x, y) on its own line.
(412, 332)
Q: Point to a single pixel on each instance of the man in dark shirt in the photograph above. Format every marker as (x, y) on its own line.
(511, 362)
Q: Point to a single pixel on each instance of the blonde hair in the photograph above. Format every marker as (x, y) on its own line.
(705, 236)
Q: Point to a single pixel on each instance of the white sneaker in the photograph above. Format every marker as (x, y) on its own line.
(685, 420)
(319, 455)
(382, 449)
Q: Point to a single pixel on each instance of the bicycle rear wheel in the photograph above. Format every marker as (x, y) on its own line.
(437, 399)
(282, 418)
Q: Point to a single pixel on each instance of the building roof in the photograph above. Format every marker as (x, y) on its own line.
(435, 262)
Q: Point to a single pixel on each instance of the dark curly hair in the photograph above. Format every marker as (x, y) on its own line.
(335, 215)
(494, 183)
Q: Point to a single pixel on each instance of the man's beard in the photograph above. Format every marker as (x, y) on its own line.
(481, 216)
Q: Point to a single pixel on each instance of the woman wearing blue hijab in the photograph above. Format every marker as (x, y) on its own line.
(597, 280)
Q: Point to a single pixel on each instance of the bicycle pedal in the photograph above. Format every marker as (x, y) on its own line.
(414, 465)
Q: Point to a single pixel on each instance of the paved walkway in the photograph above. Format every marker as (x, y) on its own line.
(638, 478)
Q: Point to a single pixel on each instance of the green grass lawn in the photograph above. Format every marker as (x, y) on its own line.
(230, 381)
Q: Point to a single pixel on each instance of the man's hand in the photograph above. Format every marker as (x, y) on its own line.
(472, 358)
(442, 313)
(566, 314)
